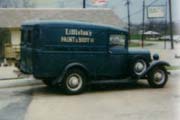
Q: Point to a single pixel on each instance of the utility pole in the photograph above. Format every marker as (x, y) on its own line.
(84, 3)
(166, 24)
(171, 30)
(129, 21)
(143, 26)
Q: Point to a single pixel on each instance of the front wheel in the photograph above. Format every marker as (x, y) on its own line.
(157, 77)
(74, 81)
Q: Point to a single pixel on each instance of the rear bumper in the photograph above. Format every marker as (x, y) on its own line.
(17, 64)
(22, 66)
(20, 74)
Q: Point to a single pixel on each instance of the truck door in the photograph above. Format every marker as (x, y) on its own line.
(117, 54)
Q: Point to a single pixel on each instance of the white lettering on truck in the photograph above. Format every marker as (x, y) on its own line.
(77, 36)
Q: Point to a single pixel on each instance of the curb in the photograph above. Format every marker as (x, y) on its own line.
(13, 83)
(12, 78)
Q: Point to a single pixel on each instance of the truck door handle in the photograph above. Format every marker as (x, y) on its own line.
(110, 52)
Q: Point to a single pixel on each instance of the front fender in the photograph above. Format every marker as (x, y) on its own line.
(153, 65)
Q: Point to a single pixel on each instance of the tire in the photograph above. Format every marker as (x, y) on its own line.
(138, 67)
(49, 83)
(74, 82)
(157, 77)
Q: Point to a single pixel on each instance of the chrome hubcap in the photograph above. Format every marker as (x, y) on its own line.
(140, 67)
(74, 82)
(159, 77)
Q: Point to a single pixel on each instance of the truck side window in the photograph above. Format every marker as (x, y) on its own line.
(117, 40)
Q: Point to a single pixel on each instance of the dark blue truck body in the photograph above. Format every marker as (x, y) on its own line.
(50, 48)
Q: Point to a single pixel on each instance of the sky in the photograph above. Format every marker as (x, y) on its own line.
(118, 6)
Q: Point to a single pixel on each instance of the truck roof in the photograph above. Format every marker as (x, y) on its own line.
(70, 23)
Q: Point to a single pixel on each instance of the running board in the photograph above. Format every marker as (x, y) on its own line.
(127, 80)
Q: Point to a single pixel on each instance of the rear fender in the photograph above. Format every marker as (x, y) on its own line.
(69, 66)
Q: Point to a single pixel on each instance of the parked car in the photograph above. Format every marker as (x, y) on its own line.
(75, 54)
(176, 38)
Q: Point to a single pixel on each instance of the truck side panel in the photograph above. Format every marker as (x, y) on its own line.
(59, 49)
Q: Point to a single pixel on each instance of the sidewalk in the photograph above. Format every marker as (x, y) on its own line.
(169, 55)
(166, 53)
(9, 78)
(7, 72)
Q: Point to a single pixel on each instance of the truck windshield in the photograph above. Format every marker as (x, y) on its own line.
(117, 40)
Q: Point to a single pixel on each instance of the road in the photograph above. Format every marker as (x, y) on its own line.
(13, 103)
(31, 100)
(168, 54)
(15, 97)
(114, 102)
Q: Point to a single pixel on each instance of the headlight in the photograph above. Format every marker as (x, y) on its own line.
(156, 57)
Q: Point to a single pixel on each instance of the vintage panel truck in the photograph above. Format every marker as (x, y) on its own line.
(73, 54)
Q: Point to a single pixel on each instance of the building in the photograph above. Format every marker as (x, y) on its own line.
(12, 18)
(152, 35)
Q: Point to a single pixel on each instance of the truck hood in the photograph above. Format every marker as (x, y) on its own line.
(143, 53)
(135, 51)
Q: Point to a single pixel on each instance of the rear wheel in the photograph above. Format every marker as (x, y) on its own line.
(157, 77)
(74, 82)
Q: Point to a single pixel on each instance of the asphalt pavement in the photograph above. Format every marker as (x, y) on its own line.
(15, 97)
(31, 100)
(13, 103)
(110, 102)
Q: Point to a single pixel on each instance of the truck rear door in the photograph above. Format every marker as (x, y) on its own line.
(26, 50)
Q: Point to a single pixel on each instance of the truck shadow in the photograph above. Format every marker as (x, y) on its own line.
(95, 88)
(117, 87)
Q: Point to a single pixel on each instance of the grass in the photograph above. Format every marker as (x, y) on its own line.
(138, 44)
(135, 36)
(173, 68)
